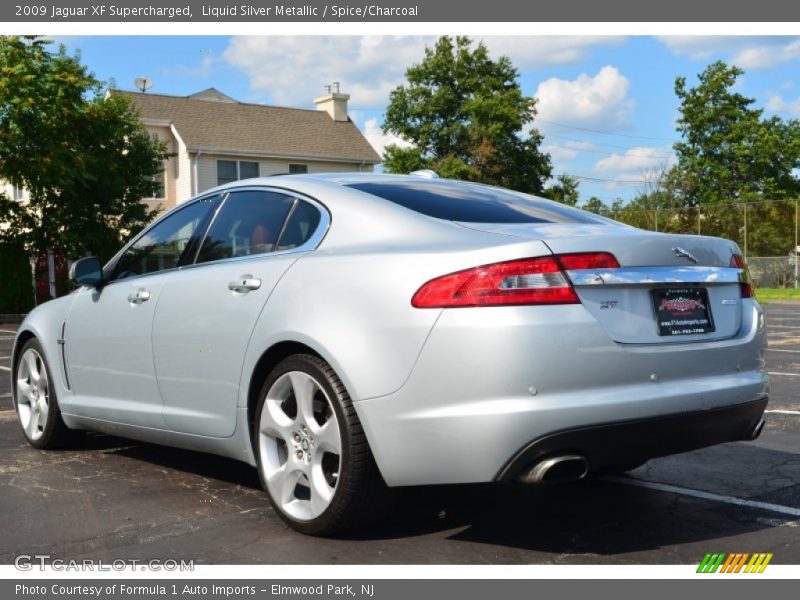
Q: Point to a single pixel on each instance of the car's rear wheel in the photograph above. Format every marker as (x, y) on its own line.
(36, 401)
(313, 458)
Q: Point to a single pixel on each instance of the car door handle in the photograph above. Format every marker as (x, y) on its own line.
(244, 284)
(138, 296)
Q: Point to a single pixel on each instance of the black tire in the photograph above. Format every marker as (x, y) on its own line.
(361, 497)
(54, 434)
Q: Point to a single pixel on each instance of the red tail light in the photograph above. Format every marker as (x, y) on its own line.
(588, 260)
(526, 281)
(737, 262)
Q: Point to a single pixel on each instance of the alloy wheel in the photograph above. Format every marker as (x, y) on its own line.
(300, 445)
(33, 394)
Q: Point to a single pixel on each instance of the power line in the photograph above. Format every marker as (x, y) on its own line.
(569, 139)
(601, 180)
(593, 151)
(625, 135)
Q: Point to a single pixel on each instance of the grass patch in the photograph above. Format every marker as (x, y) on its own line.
(765, 295)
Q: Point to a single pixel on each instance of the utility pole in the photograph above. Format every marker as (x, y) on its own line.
(796, 246)
(745, 231)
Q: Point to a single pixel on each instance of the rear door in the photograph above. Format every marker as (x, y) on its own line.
(207, 312)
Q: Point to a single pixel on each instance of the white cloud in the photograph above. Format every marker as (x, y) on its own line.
(567, 150)
(293, 69)
(530, 52)
(640, 159)
(379, 140)
(779, 105)
(596, 101)
(748, 52)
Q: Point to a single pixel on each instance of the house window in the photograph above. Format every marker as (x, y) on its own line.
(160, 179)
(297, 168)
(19, 193)
(234, 170)
(247, 169)
(226, 171)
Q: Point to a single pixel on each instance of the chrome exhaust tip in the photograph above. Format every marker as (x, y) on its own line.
(558, 469)
(756, 431)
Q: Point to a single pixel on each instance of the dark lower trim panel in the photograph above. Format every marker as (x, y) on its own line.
(631, 442)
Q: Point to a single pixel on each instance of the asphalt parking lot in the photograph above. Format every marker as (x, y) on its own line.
(116, 499)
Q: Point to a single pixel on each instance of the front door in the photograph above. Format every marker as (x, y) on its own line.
(108, 345)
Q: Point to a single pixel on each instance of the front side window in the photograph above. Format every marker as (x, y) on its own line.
(250, 222)
(234, 170)
(164, 244)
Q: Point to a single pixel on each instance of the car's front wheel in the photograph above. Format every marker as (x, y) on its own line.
(36, 401)
(313, 458)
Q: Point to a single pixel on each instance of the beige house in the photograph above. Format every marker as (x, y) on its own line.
(217, 139)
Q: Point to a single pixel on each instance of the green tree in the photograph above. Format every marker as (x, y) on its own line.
(564, 190)
(729, 152)
(596, 206)
(466, 117)
(86, 160)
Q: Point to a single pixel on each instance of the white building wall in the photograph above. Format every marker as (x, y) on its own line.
(207, 167)
(183, 177)
(8, 189)
(167, 201)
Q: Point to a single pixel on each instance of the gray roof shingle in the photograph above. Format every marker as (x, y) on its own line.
(257, 128)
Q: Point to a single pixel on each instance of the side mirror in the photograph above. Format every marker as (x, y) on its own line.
(87, 271)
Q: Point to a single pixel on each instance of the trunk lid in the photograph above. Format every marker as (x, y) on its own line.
(678, 273)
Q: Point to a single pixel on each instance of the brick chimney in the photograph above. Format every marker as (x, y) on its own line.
(334, 102)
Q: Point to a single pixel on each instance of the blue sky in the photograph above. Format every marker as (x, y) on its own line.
(606, 103)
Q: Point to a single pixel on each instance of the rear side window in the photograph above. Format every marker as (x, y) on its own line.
(248, 223)
(471, 203)
(300, 226)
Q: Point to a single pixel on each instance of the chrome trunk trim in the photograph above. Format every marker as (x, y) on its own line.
(629, 276)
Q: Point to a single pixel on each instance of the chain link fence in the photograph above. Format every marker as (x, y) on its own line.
(766, 231)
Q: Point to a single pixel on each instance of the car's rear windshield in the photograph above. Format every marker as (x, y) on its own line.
(471, 203)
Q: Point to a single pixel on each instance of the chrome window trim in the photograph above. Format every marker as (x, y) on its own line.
(312, 243)
(286, 222)
(657, 275)
(223, 199)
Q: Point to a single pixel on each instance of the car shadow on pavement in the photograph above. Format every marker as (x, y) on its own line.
(208, 466)
(605, 517)
(592, 517)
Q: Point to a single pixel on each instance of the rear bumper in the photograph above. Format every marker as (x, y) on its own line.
(490, 380)
(635, 441)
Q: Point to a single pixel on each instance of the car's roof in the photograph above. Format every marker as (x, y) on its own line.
(333, 178)
(424, 193)
(297, 181)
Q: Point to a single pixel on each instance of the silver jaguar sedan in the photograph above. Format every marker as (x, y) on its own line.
(351, 333)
